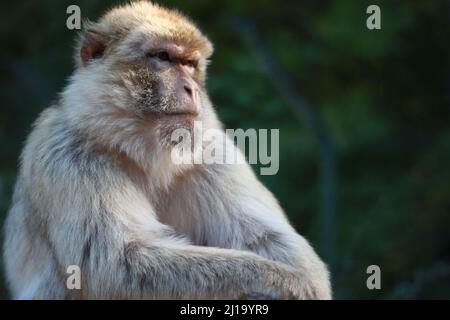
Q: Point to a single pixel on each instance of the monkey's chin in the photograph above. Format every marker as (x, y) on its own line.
(172, 126)
(180, 121)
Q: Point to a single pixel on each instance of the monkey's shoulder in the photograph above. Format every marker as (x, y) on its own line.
(56, 149)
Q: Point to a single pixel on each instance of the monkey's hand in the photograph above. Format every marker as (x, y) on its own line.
(282, 282)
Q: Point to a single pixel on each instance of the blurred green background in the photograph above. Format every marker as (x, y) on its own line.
(363, 118)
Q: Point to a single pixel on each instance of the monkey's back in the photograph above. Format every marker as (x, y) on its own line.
(31, 268)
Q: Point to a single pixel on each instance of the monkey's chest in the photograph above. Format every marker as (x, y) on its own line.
(187, 217)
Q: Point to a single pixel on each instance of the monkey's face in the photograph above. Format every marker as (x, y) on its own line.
(165, 82)
(150, 62)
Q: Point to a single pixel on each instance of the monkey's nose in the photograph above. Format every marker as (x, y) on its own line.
(189, 90)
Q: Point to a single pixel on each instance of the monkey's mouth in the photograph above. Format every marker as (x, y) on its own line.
(188, 113)
(182, 111)
(183, 108)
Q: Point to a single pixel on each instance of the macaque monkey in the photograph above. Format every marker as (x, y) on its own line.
(97, 187)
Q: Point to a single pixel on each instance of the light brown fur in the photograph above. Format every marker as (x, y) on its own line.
(97, 188)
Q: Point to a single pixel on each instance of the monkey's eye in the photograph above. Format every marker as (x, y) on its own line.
(191, 63)
(163, 56)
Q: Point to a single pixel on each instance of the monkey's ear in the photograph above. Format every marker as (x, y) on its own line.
(93, 45)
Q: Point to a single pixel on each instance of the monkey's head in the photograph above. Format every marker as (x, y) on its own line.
(145, 62)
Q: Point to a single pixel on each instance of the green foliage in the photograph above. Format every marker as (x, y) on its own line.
(382, 96)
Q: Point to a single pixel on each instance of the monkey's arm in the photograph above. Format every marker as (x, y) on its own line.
(108, 228)
(244, 215)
